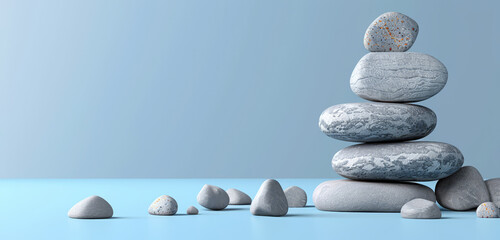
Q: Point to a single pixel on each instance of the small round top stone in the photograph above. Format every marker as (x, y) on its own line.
(391, 32)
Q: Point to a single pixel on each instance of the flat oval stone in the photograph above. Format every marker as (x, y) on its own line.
(398, 77)
(401, 161)
(420, 209)
(463, 190)
(359, 196)
(391, 32)
(377, 122)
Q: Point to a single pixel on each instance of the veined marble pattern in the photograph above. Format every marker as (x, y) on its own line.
(398, 77)
(377, 122)
(402, 161)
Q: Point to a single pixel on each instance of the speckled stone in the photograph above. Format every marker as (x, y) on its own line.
(360, 196)
(296, 197)
(270, 200)
(398, 77)
(91, 207)
(192, 210)
(463, 190)
(391, 32)
(377, 122)
(213, 197)
(420, 209)
(399, 161)
(493, 186)
(237, 197)
(487, 210)
(163, 205)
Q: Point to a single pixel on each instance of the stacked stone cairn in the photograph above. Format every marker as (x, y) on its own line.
(380, 168)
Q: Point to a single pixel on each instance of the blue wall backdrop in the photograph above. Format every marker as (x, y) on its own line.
(219, 88)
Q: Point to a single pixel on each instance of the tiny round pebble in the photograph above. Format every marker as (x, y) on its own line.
(192, 210)
(487, 210)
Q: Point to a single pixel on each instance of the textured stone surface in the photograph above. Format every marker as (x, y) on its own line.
(91, 207)
(391, 32)
(192, 210)
(493, 186)
(359, 196)
(398, 77)
(487, 210)
(237, 197)
(420, 209)
(270, 200)
(400, 161)
(213, 197)
(296, 197)
(377, 122)
(463, 190)
(163, 205)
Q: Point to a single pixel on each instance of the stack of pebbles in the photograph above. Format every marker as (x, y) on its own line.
(378, 168)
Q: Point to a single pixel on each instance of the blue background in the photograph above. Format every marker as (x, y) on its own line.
(219, 88)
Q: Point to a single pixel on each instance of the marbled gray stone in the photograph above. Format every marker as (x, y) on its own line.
(399, 161)
(164, 205)
(493, 186)
(192, 210)
(391, 32)
(487, 210)
(296, 197)
(213, 197)
(420, 209)
(377, 122)
(463, 190)
(91, 207)
(270, 200)
(237, 197)
(398, 77)
(359, 196)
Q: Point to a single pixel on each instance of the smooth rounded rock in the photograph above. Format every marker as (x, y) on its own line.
(391, 32)
(399, 161)
(359, 196)
(237, 197)
(213, 197)
(296, 197)
(270, 200)
(164, 205)
(398, 77)
(463, 190)
(493, 186)
(487, 210)
(420, 209)
(90, 208)
(377, 122)
(192, 210)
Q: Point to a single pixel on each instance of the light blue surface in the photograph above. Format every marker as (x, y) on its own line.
(37, 209)
(195, 88)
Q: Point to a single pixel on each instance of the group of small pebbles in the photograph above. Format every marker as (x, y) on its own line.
(381, 169)
(270, 200)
